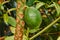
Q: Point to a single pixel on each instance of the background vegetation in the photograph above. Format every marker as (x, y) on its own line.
(49, 28)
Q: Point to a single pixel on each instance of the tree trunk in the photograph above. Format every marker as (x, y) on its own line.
(1, 38)
(20, 22)
(1, 1)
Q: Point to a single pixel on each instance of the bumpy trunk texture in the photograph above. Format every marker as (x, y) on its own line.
(20, 23)
(1, 38)
(1, 1)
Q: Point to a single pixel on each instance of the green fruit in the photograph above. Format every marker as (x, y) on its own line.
(32, 17)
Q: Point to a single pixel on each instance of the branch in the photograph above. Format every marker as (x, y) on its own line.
(58, 33)
(5, 2)
(50, 25)
(11, 10)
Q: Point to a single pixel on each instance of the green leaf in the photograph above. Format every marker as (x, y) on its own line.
(39, 5)
(30, 2)
(5, 17)
(0, 12)
(34, 30)
(9, 38)
(12, 29)
(12, 21)
(58, 38)
(57, 8)
(52, 5)
(1, 7)
(25, 37)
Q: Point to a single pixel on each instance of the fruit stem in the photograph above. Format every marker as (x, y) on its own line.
(47, 27)
(10, 10)
(5, 2)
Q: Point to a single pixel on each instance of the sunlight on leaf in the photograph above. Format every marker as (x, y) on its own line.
(5, 16)
(12, 21)
(58, 38)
